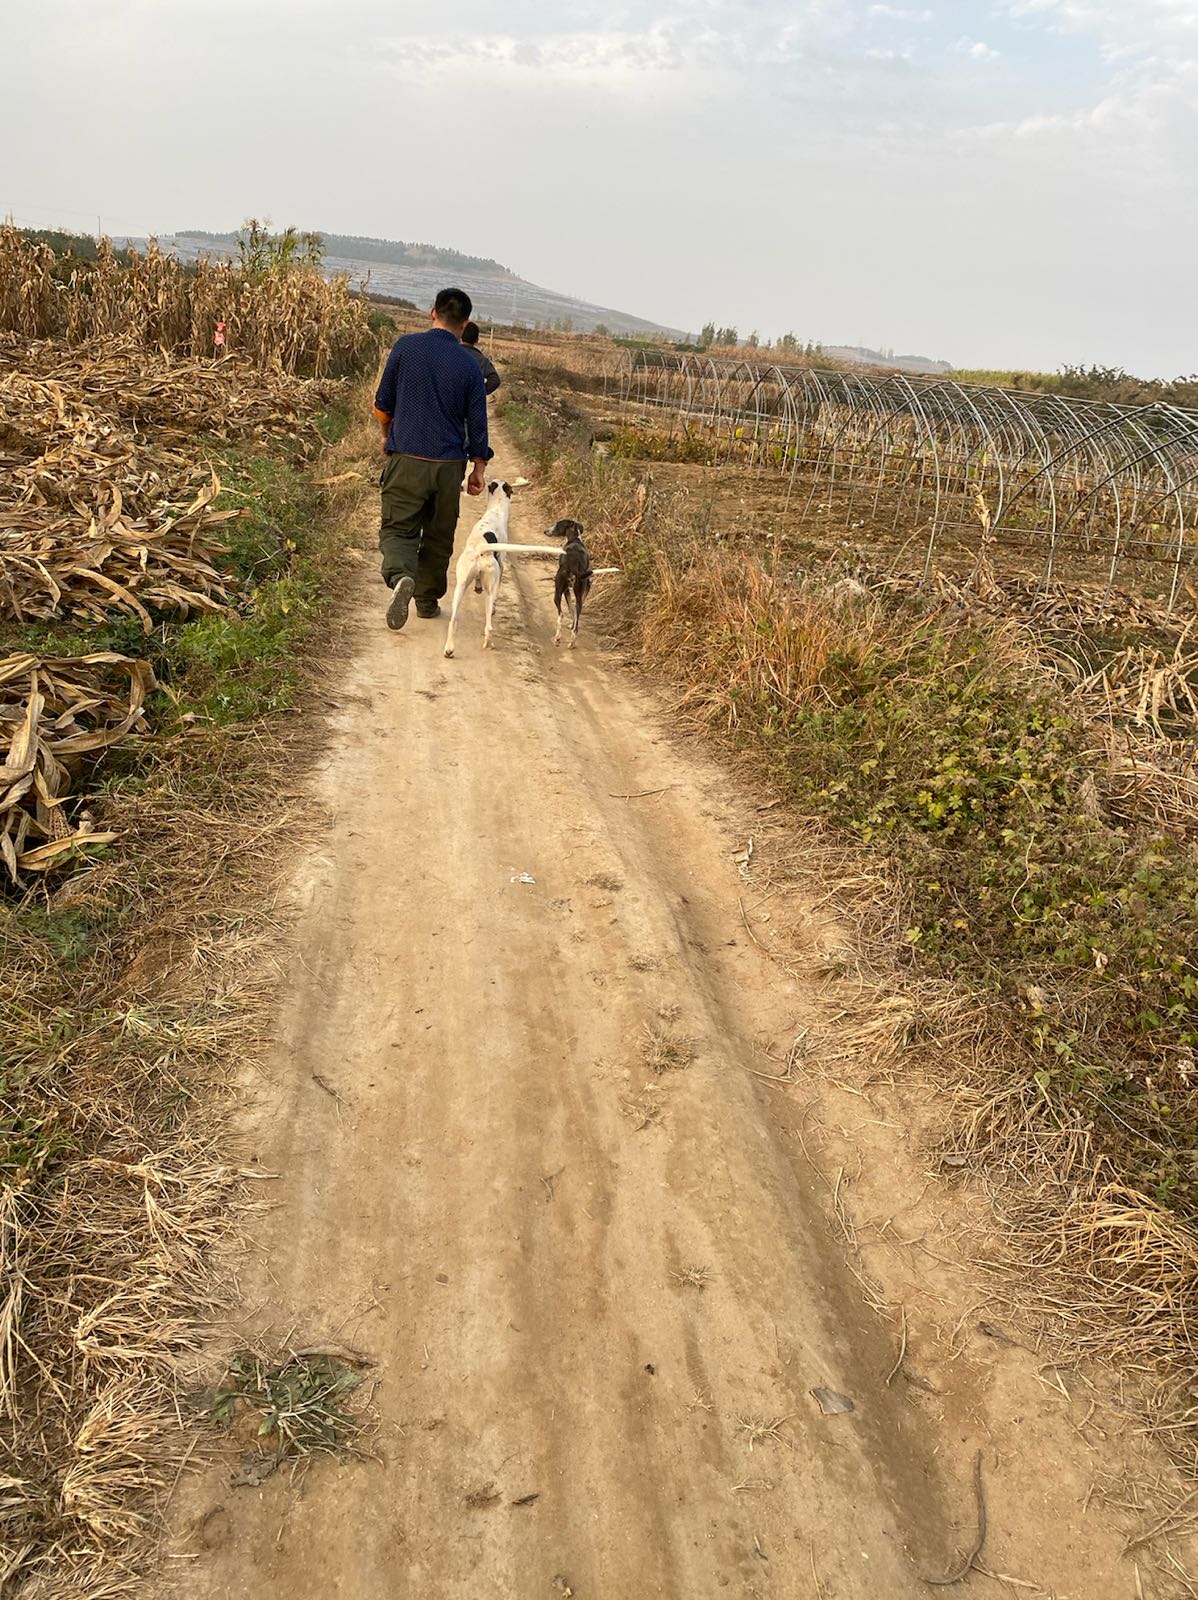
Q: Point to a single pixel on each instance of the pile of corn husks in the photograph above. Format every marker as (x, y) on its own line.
(107, 508)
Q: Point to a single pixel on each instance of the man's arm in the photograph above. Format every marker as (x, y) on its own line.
(491, 379)
(384, 400)
(478, 446)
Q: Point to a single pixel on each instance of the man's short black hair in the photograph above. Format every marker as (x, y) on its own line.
(470, 333)
(453, 306)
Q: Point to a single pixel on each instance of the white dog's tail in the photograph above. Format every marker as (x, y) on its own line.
(599, 572)
(523, 549)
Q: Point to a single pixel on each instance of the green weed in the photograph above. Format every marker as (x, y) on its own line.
(334, 422)
(300, 1401)
(233, 666)
(122, 634)
(279, 506)
(634, 444)
(69, 933)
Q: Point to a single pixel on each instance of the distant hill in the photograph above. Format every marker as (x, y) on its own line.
(404, 270)
(416, 271)
(350, 247)
(860, 356)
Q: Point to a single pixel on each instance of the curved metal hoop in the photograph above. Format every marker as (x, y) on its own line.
(1042, 474)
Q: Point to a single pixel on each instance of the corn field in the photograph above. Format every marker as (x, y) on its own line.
(1037, 473)
(294, 322)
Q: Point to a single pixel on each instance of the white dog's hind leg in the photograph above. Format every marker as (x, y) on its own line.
(491, 576)
(460, 589)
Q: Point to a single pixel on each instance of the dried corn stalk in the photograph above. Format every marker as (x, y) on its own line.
(1148, 688)
(54, 712)
(103, 506)
(298, 321)
(179, 397)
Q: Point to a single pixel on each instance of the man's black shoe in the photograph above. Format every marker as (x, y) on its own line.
(428, 610)
(401, 599)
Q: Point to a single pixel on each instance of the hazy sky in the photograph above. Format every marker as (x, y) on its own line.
(997, 182)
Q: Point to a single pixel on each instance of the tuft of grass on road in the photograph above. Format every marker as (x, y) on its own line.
(297, 1405)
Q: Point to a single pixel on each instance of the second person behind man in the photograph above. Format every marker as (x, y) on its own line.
(491, 378)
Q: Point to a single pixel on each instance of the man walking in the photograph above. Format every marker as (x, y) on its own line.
(432, 405)
(470, 339)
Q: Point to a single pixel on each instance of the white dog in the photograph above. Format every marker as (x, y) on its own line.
(483, 558)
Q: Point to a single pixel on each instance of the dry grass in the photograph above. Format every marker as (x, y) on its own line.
(665, 1051)
(691, 1277)
(593, 363)
(759, 1430)
(117, 1181)
(1153, 776)
(644, 1110)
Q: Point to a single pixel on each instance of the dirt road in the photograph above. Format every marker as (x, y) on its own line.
(529, 1165)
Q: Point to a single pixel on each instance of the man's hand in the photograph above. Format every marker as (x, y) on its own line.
(477, 481)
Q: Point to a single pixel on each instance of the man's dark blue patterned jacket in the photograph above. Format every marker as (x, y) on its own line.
(433, 393)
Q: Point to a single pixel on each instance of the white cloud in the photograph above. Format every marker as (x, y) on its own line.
(902, 13)
(1120, 25)
(1150, 47)
(976, 50)
(1143, 110)
(691, 36)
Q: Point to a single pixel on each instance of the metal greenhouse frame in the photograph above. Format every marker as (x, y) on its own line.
(1038, 472)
